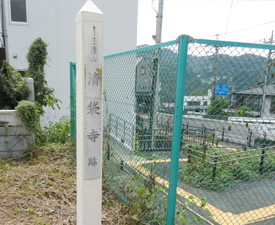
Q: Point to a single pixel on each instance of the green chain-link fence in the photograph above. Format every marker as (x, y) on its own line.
(189, 131)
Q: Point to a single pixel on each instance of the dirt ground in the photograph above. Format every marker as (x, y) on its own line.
(40, 188)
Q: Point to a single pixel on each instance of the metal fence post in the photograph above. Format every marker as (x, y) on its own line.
(72, 100)
(183, 41)
(214, 167)
(108, 152)
(262, 159)
(250, 139)
(223, 133)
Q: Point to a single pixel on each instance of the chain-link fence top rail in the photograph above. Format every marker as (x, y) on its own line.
(228, 132)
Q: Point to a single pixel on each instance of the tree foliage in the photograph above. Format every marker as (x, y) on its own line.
(217, 106)
(12, 84)
(37, 58)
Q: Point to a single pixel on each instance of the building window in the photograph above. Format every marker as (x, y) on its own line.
(142, 71)
(204, 103)
(18, 11)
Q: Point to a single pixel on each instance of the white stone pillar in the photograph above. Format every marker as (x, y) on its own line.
(89, 114)
(31, 96)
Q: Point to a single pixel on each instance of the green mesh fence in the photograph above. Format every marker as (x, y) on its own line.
(228, 131)
(189, 131)
(137, 142)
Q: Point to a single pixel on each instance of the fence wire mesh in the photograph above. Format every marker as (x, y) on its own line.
(227, 137)
(228, 132)
(137, 142)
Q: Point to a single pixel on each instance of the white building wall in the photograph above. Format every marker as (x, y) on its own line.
(54, 22)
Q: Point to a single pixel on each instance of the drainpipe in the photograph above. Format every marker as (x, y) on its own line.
(4, 29)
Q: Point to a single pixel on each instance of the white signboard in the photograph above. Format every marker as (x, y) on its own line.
(92, 100)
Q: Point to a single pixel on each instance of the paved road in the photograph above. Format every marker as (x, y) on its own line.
(239, 132)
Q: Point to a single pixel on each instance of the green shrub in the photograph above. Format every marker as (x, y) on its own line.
(12, 84)
(27, 111)
(57, 132)
(217, 106)
(199, 173)
(243, 111)
(37, 58)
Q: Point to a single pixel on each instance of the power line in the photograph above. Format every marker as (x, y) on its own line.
(228, 19)
(242, 29)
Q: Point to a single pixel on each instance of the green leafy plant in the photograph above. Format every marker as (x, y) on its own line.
(218, 106)
(12, 84)
(54, 133)
(57, 132)
(40, 221)
(243, 111)
(37, 57)
(28, 113)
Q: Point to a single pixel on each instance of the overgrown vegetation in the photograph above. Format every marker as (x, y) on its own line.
(58, 132)
(13, 87)
(218, 106)
(234, 169)
(243, 111)
(39, 188)
(37, 58)
(138, 186)
(28, 113)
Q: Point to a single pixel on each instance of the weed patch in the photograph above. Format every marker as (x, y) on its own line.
(232, 167)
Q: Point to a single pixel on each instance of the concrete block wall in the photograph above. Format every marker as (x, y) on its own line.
(15, 138)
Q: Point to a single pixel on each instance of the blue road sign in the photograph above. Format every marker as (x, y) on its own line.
(221, 89)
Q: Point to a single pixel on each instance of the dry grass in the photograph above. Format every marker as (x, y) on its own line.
(42, 190)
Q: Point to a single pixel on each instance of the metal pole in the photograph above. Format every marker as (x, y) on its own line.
(223, 129)
(2, 23)
(215, 73)
(179, 95)
(250, 139)
(214, 167)
(72, 100)
(155, 80)
(262, 160)
(265, 76)
(159, 22)
(215, 68)
(4, 30)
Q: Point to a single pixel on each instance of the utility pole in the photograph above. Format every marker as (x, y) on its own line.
(215, 68)
(266, 72)
(159, 22)
(155, 81)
